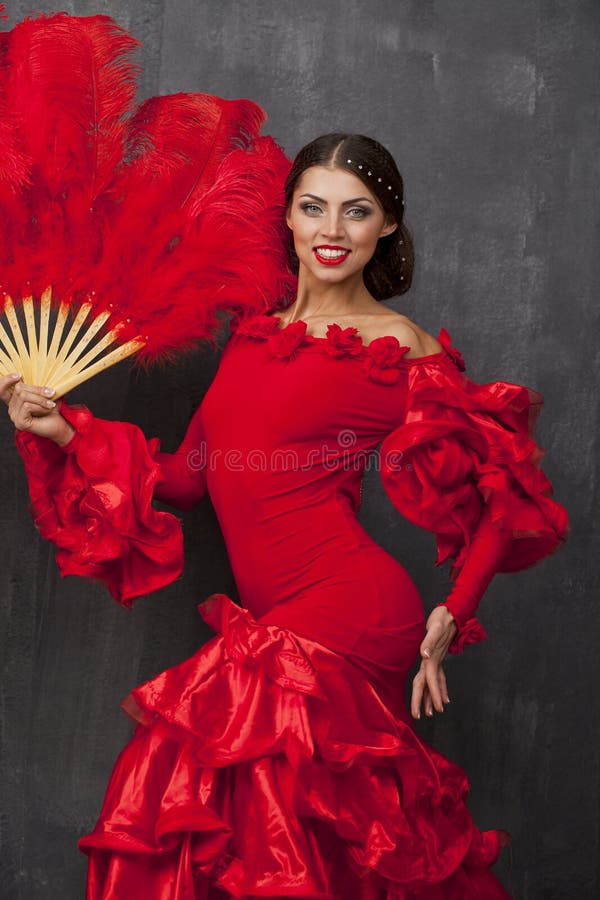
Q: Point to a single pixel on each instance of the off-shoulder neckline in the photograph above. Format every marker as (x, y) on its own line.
(379, 356)
(323, 340)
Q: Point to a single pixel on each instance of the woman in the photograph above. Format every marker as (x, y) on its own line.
(281, 760)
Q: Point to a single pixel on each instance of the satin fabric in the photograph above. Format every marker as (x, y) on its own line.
(278, 762)
(280, 759)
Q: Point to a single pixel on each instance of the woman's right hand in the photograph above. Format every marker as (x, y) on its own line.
(32, 409)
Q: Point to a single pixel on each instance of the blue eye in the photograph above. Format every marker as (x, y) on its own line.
(355, 212)
(310, 206)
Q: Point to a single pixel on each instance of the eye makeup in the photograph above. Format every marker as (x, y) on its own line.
(364, 212)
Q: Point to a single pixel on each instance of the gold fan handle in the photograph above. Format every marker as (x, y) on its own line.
(59, 327)
(43, 341)
(68, 382)
(10, 357)
(34, 355)
(23, 354)
(65, 366)
(58, 356)
(72, 363)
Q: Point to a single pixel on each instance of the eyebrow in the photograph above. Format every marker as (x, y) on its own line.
(345, 203)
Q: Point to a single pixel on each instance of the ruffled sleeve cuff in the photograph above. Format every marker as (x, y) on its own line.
(469, 632)
(93, 499)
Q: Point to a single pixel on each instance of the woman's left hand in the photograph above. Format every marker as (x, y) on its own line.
(429, 684)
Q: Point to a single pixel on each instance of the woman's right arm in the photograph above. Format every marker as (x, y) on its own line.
(91, 484)
(182, 481)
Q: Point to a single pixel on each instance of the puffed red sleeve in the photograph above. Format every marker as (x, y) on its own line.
(93, 499)
(464, 464)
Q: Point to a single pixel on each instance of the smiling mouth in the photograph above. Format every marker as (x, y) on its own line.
(331, 255)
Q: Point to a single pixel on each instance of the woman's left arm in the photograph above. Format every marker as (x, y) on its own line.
(464, 464)
(452, 623)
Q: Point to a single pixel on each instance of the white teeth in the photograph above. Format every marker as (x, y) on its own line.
(331, 254)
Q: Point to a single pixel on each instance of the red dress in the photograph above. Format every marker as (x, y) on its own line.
(280, 759)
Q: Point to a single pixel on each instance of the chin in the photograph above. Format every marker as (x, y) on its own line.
(332, 274)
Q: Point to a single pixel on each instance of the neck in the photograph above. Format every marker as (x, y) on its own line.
(319, 298)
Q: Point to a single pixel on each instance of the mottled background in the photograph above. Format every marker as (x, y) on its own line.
(492, 112)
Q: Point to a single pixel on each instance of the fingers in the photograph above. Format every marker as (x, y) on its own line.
(443, 685)
(430, 689)
(418, 691)
(431, 640)
(28, 401)
(421, 696)
(432, 670)
(432, 651)
(437, 640)
(427, 704)
(7, 383)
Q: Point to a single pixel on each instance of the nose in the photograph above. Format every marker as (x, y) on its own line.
(332, 226)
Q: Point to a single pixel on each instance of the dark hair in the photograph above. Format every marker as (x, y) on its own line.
(389, 271)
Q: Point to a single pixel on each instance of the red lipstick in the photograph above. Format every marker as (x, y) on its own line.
(333, 260)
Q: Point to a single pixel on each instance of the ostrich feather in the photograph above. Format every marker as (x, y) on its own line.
(187, 134)
(148, 223)
(228, 252)
(69, 86)
(14, 167)
(73, 86)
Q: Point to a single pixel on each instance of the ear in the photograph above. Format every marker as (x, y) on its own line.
(388, 228)
(288, 217)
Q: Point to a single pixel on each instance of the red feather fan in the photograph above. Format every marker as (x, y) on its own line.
(125, 230)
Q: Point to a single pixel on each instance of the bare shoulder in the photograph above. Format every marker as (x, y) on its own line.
(409, 334)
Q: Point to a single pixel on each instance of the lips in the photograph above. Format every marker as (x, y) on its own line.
(334, 257)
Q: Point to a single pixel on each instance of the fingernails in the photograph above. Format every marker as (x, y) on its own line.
(49, 391)
(15, 375)
(50, 403)
(426, 653)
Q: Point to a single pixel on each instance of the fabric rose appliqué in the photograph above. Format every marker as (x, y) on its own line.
(446, 342)
(343, 341)
(284, 343)
(384, 356)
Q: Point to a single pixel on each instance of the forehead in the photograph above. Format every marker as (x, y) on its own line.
(333, 185)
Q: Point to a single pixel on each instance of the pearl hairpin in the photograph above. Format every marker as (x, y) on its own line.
(369, 172)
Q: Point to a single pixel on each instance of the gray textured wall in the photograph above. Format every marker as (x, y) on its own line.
(492, 113)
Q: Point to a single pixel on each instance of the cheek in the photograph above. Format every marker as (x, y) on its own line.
(303, 233)
(298, 225)
(366, 234)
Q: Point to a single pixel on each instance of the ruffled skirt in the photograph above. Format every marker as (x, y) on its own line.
(267, 765)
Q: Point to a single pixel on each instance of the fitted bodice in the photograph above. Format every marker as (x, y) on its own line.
(291, 422)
